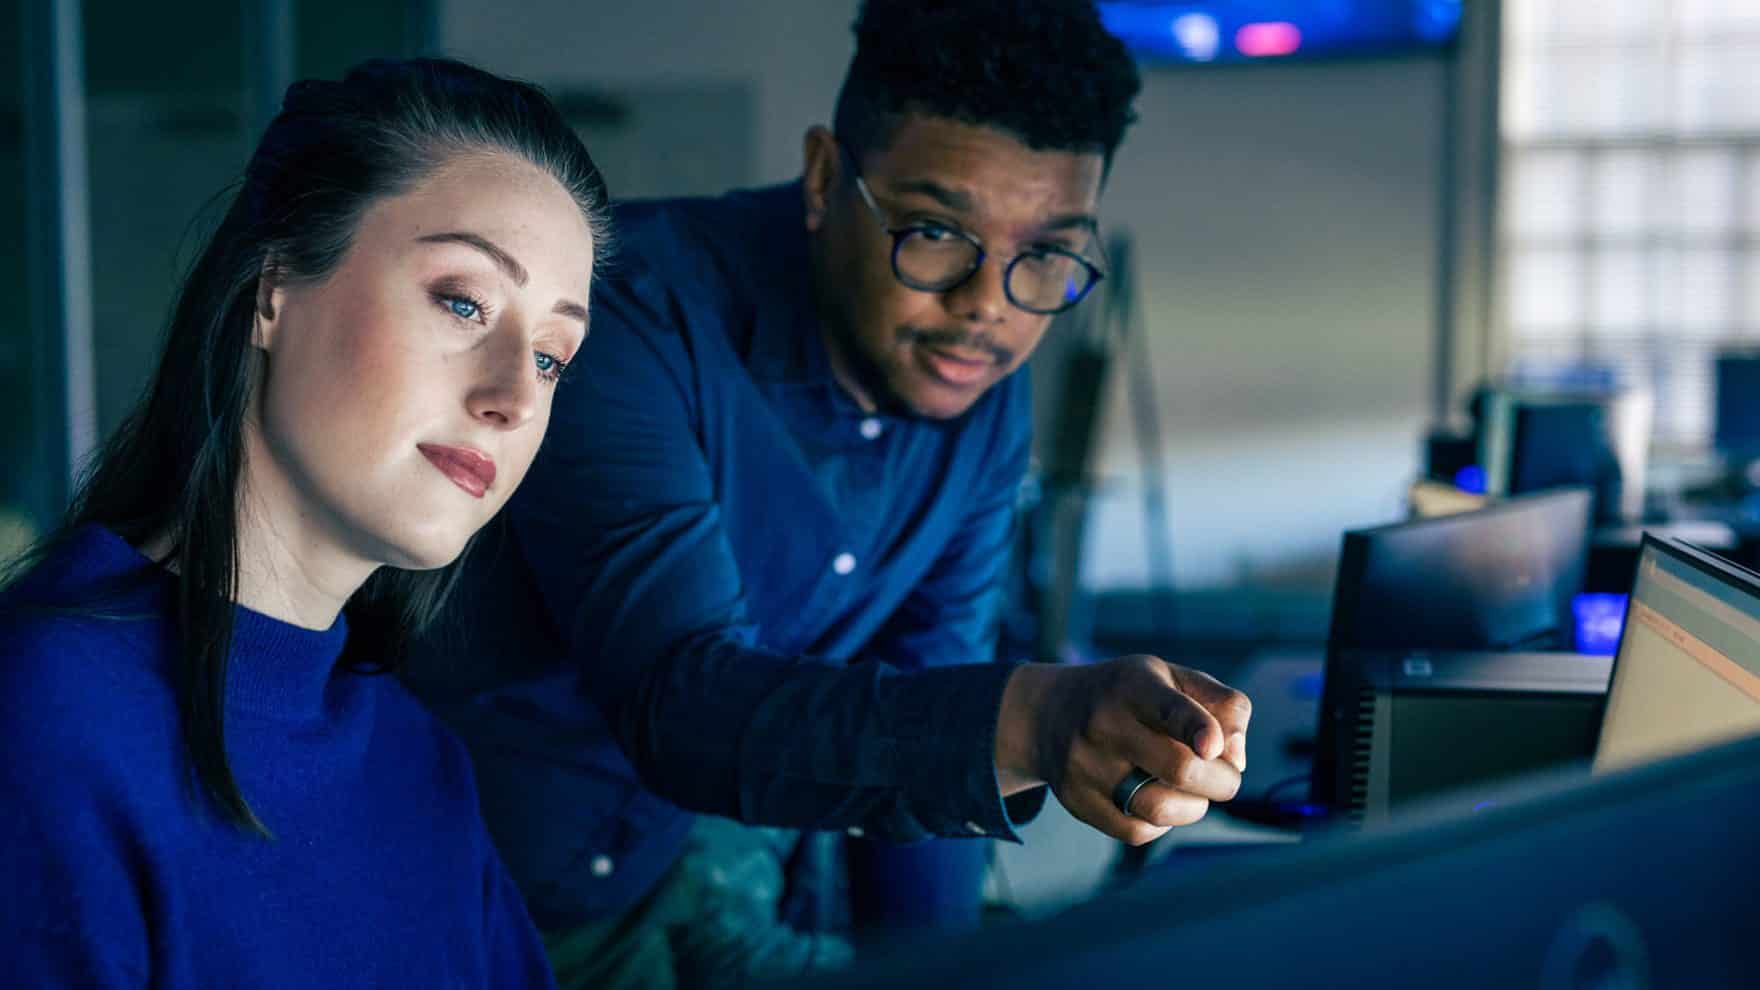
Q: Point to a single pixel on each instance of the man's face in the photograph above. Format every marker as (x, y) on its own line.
(935, 353)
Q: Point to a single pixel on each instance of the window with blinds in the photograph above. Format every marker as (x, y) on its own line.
(1630, 221)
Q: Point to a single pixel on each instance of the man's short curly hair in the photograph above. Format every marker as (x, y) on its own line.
(1046, 72)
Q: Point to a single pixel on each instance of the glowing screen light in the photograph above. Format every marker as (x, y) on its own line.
(1600, 619)
(1213, 31)
(1198, 36)
(1268, 39)
(1470, 479)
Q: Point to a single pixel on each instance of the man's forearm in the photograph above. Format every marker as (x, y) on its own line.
(727, 729)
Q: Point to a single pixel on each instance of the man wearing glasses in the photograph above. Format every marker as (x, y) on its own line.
(754, 571)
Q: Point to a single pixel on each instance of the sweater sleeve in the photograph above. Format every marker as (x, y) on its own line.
(516, 954)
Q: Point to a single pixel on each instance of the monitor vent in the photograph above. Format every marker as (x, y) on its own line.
(1358, 751)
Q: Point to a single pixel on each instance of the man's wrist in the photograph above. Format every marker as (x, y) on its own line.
(1016, 749)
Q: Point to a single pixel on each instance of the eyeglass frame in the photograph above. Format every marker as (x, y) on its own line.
(899, 233)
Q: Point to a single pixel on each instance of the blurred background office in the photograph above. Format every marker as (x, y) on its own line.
(1323, 248)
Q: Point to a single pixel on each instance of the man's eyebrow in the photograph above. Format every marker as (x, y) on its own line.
(953, 199)
(960, 202)
(1072, 221)
(502, 259)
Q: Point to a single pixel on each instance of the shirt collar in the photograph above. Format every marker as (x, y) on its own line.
(787, 343)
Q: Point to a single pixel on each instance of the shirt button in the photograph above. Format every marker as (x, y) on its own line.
(844, 563)
(601, 866)
(871, 428)
(975, 828)
(855, 832)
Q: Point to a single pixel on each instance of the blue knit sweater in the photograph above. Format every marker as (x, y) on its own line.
(113, 872)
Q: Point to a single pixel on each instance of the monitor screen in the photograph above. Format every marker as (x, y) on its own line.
(1687, 674)
(1199, 31)
(1533, 441)
(1559, 444)
(1501, 577)
(1738, 405)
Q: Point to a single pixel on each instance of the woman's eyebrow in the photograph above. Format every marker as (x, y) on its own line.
(502, 259)
(569, 307)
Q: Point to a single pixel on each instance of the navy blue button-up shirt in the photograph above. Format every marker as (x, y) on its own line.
(725, 588)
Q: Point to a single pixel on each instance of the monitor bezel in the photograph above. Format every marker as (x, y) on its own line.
(1702, 560)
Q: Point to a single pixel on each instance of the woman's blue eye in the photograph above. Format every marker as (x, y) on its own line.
(550, 367)
(463, 308)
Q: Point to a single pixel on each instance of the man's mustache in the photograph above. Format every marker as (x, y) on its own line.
(962, 339)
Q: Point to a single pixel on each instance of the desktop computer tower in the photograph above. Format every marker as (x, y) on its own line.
(1406, 727)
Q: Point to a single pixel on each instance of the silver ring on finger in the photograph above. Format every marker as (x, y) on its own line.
(1128, 788)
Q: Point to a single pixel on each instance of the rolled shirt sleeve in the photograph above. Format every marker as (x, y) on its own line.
(621, 526)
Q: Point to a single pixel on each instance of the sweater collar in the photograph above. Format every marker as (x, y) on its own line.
(274, 668)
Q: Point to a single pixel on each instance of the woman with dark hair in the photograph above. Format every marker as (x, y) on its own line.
(202, 782)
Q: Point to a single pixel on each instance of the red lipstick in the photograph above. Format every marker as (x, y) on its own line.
(469, 469)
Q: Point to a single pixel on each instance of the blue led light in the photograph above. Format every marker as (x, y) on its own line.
(1600, 619)
(1470, 479)
(1307, 686)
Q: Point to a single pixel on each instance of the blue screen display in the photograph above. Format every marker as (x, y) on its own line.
(1277, 30)
(1600, 620)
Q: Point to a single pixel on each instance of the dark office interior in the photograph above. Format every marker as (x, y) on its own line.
(1419, 401)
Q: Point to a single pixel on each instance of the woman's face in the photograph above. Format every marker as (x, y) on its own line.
(404, 396)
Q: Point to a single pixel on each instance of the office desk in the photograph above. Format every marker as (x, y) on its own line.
(1284, 684)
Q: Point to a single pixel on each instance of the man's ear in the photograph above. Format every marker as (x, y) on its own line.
(267, 313)
(822, 165)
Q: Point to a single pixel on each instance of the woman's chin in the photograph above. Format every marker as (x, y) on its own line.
(424, 551)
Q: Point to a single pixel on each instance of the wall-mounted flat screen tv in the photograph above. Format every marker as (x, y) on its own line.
(1280, 30)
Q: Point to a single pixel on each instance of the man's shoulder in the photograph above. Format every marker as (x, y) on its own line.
(683, 241)
(686, 276)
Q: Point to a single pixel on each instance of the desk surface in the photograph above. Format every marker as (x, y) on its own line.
(1284, 684)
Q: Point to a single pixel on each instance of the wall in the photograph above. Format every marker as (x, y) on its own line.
(1285, 227)
(167, 135)
(1286, 224)
(787, 54)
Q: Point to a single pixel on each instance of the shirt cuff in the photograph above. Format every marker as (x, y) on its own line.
(960, 796)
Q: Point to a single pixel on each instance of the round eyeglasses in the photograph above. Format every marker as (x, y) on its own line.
(933, 257)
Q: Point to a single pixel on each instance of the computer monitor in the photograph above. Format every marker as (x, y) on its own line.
(1535, 441)
(1640, 878)
(1420, 611)
(1497, 578)
(1687, 674)
(1737, 434)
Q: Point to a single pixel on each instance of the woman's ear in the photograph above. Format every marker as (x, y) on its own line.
(267, 313)
(819, 172)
